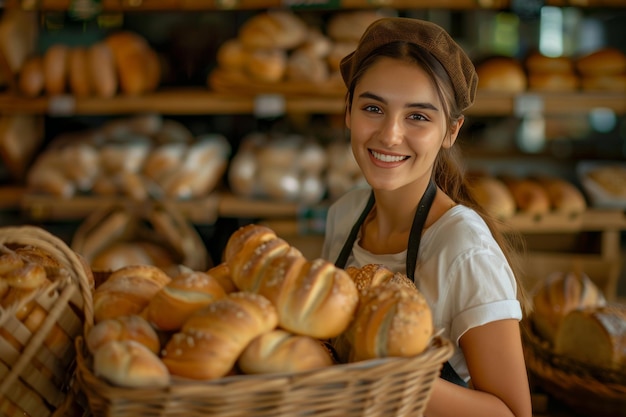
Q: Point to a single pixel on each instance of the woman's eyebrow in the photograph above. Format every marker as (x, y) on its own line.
(426, 106)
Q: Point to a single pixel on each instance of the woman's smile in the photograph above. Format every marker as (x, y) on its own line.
(387, 158)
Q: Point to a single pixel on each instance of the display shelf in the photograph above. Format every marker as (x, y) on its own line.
(196, 101)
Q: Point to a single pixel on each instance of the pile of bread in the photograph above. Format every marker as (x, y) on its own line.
(292, 167)
(264, 309)
(123, 63)
(279, 46)
(603, 69)
(505, 195)
(572, 315)
(138, 157)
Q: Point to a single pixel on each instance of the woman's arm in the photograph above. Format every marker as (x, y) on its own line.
(495, 362)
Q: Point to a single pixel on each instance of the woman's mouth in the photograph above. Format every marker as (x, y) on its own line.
(388, 158)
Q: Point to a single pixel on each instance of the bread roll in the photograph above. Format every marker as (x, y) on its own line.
(279, 351)
(127, 291)
(251, 234)
(530, 197)
(594, 336)
(273, 29)
(537, 63)
(266, 65)
(31, 77)
(501, 74)
(102, 70)
(78, 72)
(563, 195)
(313, 298)
(134, 62)
(604, 61)
(127, 363)
(557, 295)
(214, 337)
(303, 66)
(391, 320)
(372, 275)
(553, 82)
(231, 55)
(9, 262)
(221, 272)
(180, 298)
(55, 67)
(132, 327)
(493, 196)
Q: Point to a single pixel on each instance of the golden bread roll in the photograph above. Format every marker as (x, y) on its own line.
(57, 340)
(493, 196)
(501, 74)
(180, 298)
(530, 197)
(102, 70)
(537, 63)
(564, 196)
(78, 72)
(553, 82)
(604, 61)
(266, 65)
(248, 235)
(134, 61)
(56, 68)
(557, 295)
(313, 298)
(604, 82)
(372, 275)
(214, 337)
(31, 79)
(316, 44)
(31, 276)
(9, 262)
(279, 351)
(127, 291)
(303, 66)
(273, 29)
(594, 336)
(132, 327)
(231, 55)
(391, 320)
(221, 272)
(127, 363)
(39, 256)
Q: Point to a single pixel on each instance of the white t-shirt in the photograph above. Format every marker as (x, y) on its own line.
(461, 270)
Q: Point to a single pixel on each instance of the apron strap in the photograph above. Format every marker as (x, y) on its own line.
(342, 259)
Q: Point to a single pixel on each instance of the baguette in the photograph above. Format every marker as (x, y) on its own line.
(211, 339)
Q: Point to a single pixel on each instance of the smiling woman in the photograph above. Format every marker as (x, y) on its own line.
(408, 85)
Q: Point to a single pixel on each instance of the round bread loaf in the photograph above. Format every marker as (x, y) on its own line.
(493, 196)
(563, 195)
(501, 74)
(266, 65)
(279, 351)
(530, 197)
(604, 61)
(538, 63)
(273, 29)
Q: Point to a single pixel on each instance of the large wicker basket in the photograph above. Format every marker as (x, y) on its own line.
(384, 388)
(586, 390)
(37, 380)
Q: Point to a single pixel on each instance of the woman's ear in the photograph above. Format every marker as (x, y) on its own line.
(453, 133)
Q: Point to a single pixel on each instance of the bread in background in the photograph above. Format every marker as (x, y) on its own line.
(502, 75)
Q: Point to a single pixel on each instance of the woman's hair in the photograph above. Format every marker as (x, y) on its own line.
(448, 170)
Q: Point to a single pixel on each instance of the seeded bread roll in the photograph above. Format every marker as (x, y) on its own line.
(594, 336)
(557, 295)
(279, 351)
(123, 328)
(214, 337)
(130, 364)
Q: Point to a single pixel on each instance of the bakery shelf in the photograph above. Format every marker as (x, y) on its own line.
(202, 211)
(203, 101)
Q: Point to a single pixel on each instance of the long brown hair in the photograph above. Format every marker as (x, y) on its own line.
(448, 170)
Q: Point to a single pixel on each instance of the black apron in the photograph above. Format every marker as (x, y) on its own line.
(447, 372)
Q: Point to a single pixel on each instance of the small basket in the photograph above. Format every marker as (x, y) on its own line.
(38, 380)
(381, 387)
(587, 390)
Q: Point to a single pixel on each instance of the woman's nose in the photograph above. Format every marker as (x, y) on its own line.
(391, 132)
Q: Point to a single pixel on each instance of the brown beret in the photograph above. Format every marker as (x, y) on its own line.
(429, 36)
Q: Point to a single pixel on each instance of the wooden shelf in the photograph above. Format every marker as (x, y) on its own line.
(190, 101)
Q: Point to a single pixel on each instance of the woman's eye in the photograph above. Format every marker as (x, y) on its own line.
(372, 109)
(417, 117)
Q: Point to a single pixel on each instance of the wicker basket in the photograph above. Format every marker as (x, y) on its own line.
(386, 388)
(587, 390)
(38, 379)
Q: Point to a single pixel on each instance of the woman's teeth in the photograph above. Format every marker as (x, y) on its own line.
(388, 158)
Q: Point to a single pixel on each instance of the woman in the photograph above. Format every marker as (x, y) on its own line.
(408, 84)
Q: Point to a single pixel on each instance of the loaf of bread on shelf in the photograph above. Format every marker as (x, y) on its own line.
(558, 294)
(538, 63)
(101, 70)
(180, 298)
(545, 82)
(137, 65)
(78, 72)
(128, 363)
(56, 69)
(603, 61)
(133, 327)
(231, 55)
(280, 351)
(31, 77)
(127, 291)
(493, 196)
(530, 197)
(273, 29)
(211, 339)
(501, 74)
(266, 65)
(594, 336)
(564, 196)
(604, 82)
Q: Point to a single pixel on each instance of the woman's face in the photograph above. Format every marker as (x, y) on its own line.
(397, 124)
